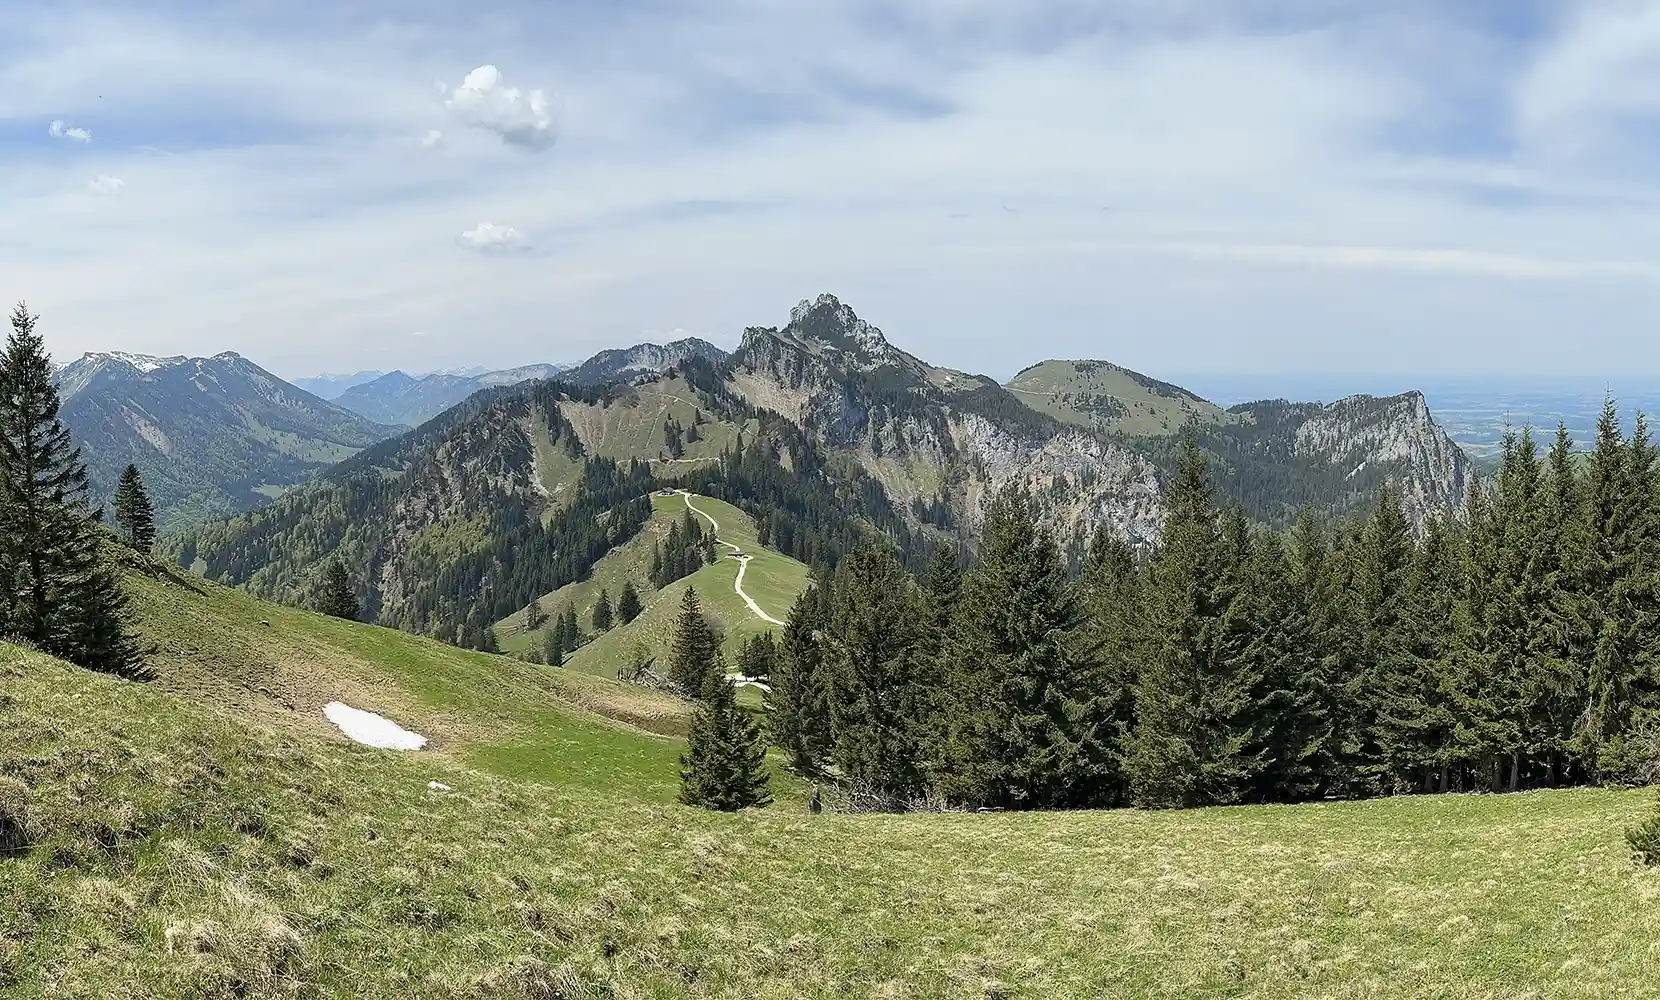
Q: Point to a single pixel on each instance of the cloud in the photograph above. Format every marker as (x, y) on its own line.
(1518, 267)
(61, 130)
(105, 184)
(434, 139)
(485, 101)
(488, 236)
(1290, 181)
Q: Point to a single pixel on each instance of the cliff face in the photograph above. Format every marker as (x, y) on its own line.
(1395, 436)
(944, 441)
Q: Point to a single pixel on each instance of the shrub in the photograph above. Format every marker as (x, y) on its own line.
(1644, 839)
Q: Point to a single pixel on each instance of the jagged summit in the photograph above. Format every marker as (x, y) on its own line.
(828, 320)
(828, 330)
(143, 362)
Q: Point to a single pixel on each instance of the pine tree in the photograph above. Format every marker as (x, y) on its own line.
(695, 649)
(553, 645)
(758, 657)
(1026, 725)
(869, 665)
(1294, 728)
(334, 594)
(535, 616)
(795, 699)
(724, 764)
(133, 513)
(61, 593)
(570, 631)
(628, 603)
(1565, 615)
(942, 582)
(1114, 597)
(1384, 692)
(1194, 738)
(603, 614)
(1619, 569)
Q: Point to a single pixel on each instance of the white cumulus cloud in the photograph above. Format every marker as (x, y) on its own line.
(485, 101)
(105, 184)
(434, 139)
(60, 129)
(489, 236)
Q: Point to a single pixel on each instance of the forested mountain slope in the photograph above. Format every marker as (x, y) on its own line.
(212, 436)
(821, 431)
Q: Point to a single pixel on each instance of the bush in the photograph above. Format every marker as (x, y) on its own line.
(1644, 839)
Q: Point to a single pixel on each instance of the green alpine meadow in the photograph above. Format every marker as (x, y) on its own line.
(902, 500)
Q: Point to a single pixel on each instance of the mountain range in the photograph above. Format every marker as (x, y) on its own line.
(822, 432)
(330, 386)
(400, 398)
(212, 436)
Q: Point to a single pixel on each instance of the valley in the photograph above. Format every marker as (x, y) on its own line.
(889, 537)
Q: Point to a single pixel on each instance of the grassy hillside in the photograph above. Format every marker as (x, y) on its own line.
(161, 848)
(279, 665)
(771, 579)
(632, 426)
(1105, 397)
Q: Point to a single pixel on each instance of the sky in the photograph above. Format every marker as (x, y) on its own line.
(1230, 186)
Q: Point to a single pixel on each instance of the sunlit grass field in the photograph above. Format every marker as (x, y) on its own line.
(210, 835)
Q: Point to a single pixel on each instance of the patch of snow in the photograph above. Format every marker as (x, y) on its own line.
(371, 729)
(739, 680)
(143, 362)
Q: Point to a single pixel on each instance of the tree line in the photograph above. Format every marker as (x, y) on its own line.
(59, 589)
(1513, 648)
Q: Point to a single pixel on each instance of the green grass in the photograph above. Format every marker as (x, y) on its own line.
(773, 580)
(282, 863)
(1106, 397)
(213, 645)
(631, 427)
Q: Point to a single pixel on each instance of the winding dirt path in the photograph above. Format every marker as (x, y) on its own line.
(743, 560)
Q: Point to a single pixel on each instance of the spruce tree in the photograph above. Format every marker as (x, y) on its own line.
(603, 614)
(695, 650)
(1026, 726)
(724, 764)
(334, 594)
(133, 513)
(535, 616)
(758, 657)
(553, 645)
(61, 593)
(1472, 672)
(1195, 739)
(1294, 712)
(628, 603)
(795, 699)
(1388, 676)
(1565, 615)
(942, 582)
(1114, 598)
(871, 686)
(570, 630)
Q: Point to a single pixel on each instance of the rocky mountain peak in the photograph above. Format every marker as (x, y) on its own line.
(830, 323)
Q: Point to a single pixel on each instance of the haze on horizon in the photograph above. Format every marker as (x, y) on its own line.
(1302, 186)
